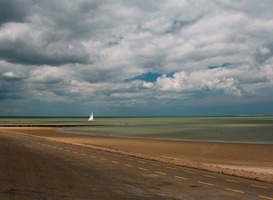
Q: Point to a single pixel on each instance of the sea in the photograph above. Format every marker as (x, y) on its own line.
(228, 129)
(254, 130)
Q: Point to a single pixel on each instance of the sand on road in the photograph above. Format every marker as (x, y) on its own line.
(253, 161)
(38, 172)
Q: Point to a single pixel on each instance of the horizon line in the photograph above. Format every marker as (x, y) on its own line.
(129, 116)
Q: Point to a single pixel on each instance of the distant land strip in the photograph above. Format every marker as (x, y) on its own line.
(44, 125)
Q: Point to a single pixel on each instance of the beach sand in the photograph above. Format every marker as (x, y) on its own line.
(254, 161)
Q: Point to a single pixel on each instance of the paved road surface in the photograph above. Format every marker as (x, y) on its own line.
(35, 168)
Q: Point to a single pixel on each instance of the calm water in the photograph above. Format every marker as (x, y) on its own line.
(221, 129)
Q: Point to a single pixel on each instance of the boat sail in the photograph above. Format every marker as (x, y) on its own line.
(91, 118)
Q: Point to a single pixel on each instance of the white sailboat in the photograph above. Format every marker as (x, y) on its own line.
(91, 118)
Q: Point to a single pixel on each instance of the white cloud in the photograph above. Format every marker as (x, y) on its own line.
(70, 50)
(9, 75)
(48, 74)
(147, 84)
(198, 81)
(264, 50)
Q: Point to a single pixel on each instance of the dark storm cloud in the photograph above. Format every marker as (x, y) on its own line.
(75, 19)
(12, 87)
(25, 52)
(83, 50)
(12, 11)
(48, 35)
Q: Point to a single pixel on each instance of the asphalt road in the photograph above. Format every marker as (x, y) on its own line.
(36, 168)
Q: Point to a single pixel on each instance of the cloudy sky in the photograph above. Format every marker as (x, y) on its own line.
(136, 57)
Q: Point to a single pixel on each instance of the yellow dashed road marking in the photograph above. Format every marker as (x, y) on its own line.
(161, 173)
(143, 169)
(205, 183)
(171, 168)
(190, 172)
(265, 197)
(233, 190)
(209, 176)
(259, 186)
(233, 181)
(180, 177)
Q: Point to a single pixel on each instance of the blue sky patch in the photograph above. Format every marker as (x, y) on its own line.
(221, 66)
(148, 77)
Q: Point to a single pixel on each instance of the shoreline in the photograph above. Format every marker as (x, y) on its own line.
(61, 130)
(252, 161)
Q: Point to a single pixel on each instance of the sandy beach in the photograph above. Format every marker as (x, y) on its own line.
(252, 161)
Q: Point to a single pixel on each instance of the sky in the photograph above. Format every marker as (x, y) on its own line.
(136, 57)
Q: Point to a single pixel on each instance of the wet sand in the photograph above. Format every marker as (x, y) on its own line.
(254, 161)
